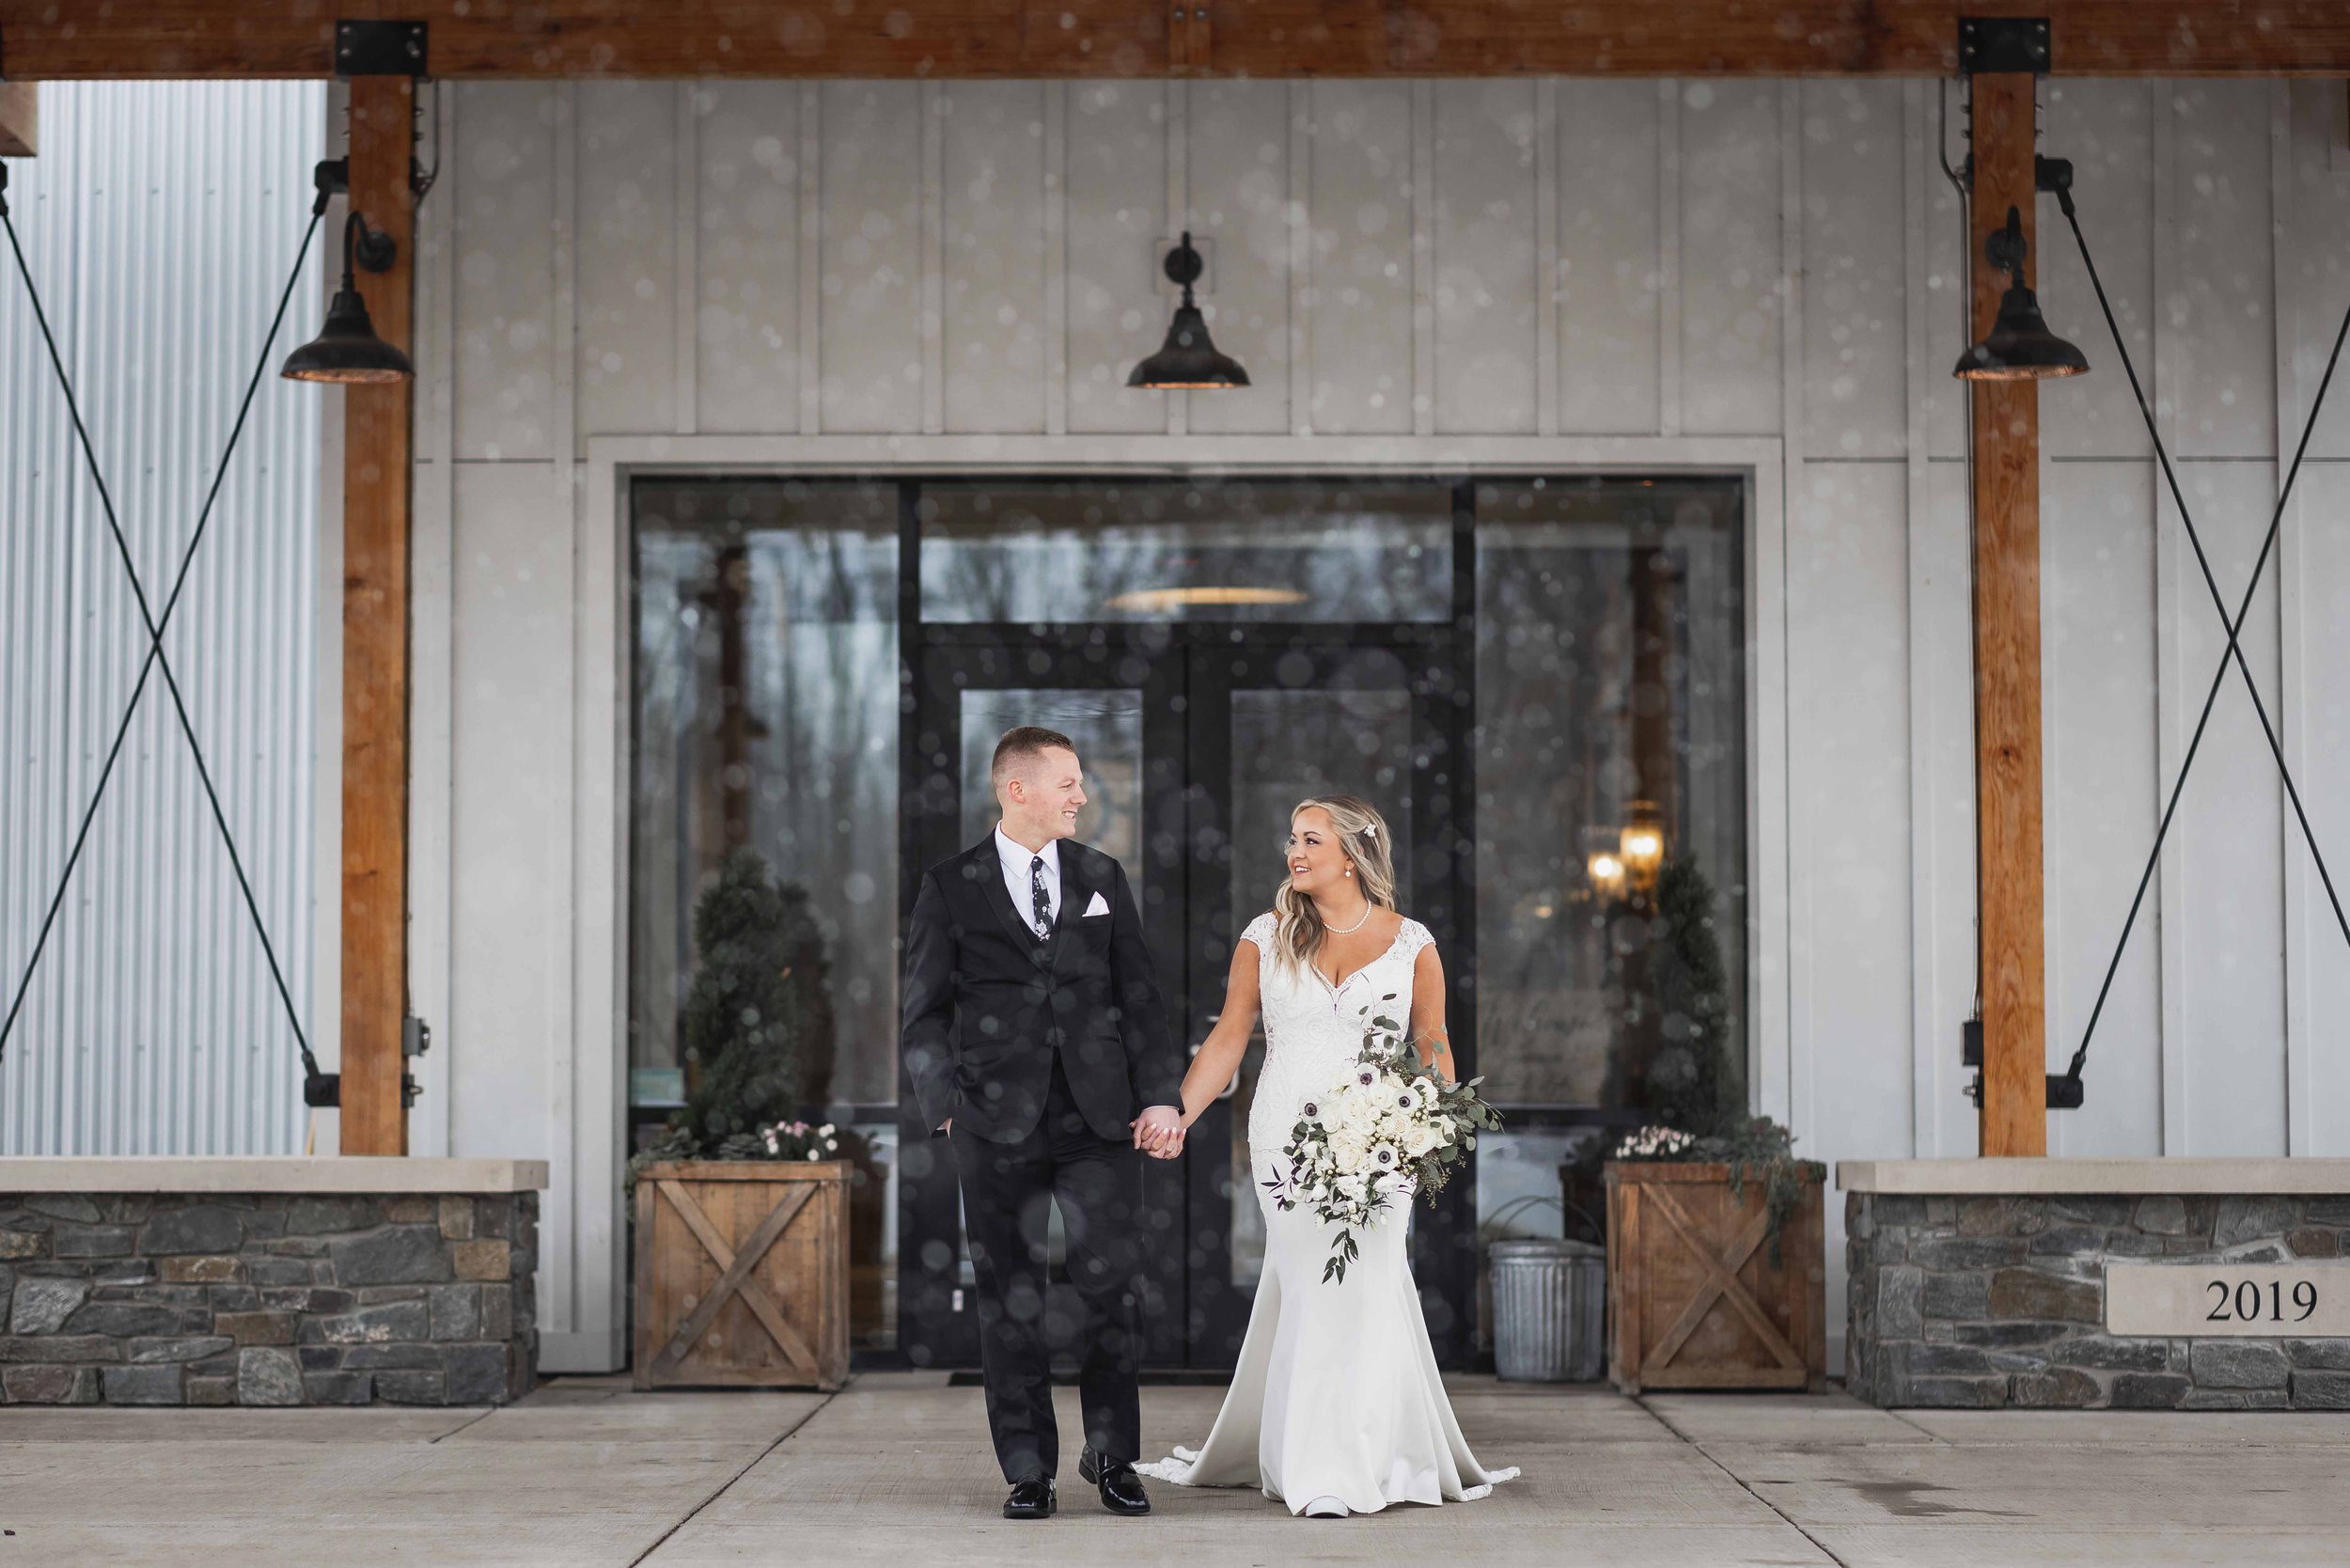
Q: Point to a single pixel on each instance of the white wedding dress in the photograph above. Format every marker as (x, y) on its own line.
(1337, 1393)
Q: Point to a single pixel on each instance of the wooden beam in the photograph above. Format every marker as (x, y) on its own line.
(2007, 657)
(376, 493)
(20, 118)
(477, 39)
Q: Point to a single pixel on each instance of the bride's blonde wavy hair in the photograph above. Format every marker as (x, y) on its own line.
(1364, 838)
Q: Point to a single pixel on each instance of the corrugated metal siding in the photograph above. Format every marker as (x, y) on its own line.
(159, 221)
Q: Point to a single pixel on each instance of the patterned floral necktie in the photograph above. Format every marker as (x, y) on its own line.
(1036, 890)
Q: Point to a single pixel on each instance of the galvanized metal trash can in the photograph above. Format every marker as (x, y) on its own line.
(1550, 1306)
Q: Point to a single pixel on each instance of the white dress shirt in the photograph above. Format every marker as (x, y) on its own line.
(1016, 879)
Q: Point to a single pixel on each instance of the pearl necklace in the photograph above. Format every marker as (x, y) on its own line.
(1349, 931)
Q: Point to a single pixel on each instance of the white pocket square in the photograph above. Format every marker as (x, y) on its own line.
(1099, 906)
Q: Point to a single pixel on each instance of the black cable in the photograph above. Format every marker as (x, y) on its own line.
(155, 630)
(2233, 654)
(2234, 649)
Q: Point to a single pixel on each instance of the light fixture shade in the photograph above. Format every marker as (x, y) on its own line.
(2020, 346)
(1187, 359)
(347, 350)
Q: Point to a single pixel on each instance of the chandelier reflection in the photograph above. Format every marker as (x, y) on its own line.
(1150, 599)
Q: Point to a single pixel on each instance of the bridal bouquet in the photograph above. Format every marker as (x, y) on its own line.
(1385, 1127)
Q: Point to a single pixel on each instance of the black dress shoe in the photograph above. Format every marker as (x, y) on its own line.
(1030, 1499)
(1121, 1489)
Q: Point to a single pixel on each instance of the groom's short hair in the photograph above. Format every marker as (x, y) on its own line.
(1023, 744)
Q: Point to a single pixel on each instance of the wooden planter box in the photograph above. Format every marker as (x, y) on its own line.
(1693, 1301)
(743, 1274)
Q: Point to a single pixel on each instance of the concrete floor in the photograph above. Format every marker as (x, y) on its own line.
(896, 1470)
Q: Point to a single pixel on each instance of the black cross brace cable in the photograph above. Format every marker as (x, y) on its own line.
(155, 629)
(2231, 656)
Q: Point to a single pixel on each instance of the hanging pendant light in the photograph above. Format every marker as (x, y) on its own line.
(346, 351)
(2020, 347)
(1187, 360)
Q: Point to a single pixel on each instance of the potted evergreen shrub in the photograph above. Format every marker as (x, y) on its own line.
(741, 1207)
(1717, 1261)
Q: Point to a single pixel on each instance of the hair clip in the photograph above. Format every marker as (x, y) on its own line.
(1371, 830)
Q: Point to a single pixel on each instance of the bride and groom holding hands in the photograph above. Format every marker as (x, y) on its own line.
(1036, 1041)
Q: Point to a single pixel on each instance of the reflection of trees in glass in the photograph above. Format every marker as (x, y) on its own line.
(767, 718)
(1609, 636)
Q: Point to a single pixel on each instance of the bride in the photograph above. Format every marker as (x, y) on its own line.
(1336, 1406)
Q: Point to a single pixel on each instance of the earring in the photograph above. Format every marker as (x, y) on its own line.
(1350, 870)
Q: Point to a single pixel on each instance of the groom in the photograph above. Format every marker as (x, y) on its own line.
(1035, 1038)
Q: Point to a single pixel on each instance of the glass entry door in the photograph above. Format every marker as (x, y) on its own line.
(1197, 740)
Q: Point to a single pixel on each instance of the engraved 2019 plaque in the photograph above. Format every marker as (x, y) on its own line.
(2307, 1300)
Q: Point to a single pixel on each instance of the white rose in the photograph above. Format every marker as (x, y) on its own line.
(1419, 1140)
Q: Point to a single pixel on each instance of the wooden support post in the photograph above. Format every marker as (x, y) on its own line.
(2007, 657)
(20, 120)
(376, 434)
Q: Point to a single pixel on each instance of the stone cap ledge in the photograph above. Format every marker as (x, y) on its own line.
(343, 1173)
(2025, 1176)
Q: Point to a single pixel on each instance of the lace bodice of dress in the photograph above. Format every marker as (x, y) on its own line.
(1313, 1030)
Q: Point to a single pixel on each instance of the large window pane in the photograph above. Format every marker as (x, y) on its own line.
(1610, 701)
(765, 708)
(1611, 684)
(1156, 550)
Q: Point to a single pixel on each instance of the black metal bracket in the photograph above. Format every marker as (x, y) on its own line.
(2005, 247)
(380, 49)
(373, 249)
(324, 1091)
(330, 179)
(2003, 45)
(1183, 266)
(2065, 1090)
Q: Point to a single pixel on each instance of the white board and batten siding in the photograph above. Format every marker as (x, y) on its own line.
(1768, 273)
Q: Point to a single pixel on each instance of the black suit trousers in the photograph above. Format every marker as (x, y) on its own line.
(1005, 1190)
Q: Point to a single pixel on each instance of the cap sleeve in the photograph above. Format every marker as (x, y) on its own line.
(1411, 937)
(1260, 932)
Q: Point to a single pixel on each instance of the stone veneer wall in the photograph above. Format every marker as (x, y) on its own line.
(135, 1298)
(1979, 1302)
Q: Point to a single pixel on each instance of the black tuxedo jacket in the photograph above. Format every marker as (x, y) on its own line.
(986, 1005)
